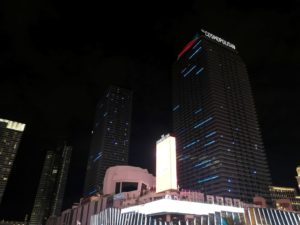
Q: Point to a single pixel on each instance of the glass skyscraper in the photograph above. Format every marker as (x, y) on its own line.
(110, 137)
(10, 137)
(50, 193)
(219, 144)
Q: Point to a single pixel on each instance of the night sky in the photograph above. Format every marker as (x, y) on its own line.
(57, 59)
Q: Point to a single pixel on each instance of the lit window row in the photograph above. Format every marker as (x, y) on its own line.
(202, 163)
(210, 134)
(98, 156)
(209, 143)
(199, 49)
(207, 179)
(190, 144)
(189, 71)
(175, 108)
(203, 122)
(197, 111)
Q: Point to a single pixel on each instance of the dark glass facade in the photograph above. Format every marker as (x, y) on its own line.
(50, 193)
(219, 145)
(10, 137)
(110, 137)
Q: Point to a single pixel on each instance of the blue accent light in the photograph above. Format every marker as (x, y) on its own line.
(210, 134)
(181, 131)
(200, 70)
(182, 71)
(184, 158)
(195, 52)
(207, 179)
(93, 191)
(197, 111)
(190, 70)
(197, 44)
(209, 143)
(203, 122)
(175, 108)
(205, 165)
(202, 163)
(104, 115)
(189, 145)
(98, 157)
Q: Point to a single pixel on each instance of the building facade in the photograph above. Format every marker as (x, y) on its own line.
(10, 137)
(110, 137)
(298, 176)
(285, 198)
(50, 193)
(219, 144)
(166, 170)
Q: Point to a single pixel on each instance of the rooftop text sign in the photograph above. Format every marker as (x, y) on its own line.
(218, 39)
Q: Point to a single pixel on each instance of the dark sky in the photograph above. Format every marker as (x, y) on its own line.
(57, 59)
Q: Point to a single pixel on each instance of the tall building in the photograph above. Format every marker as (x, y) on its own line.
(166, 171)
(10, 137)
(110, 137)
(219, 144)
(49, 197)
(298, 176)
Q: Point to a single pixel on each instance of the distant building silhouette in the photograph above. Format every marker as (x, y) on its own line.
(50, 193)
(10, 137)
(110, 137)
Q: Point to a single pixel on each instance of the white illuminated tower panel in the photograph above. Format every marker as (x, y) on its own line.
(166, 171)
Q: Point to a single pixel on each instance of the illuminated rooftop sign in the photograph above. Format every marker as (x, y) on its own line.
(218, 39)
(12, 125)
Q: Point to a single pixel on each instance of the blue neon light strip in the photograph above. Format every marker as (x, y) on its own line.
(206, 165)
(202, 163)
(98, 157)
(211, 134)
(209, 143)
(104, 115)
(182, 71)
(93, 191)
(197, 111)
(184, 158)
(207, 179)
(200, 70)
(189, 145)
(175, 108)
(197, 44)
(190, 70)
(203, 122)
(195, 52)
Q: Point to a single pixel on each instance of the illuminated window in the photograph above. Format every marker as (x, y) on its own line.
(203, 122)
(209, 143)
(175, 108)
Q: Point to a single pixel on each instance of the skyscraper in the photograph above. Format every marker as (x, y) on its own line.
(110, 137)
(10, 137)
(298, 176)
(219, 144)
(49, 197)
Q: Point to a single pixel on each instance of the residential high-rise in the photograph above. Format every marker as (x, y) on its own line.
(110, 137)
(10, 137)
(219, 144)
(49, 197)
